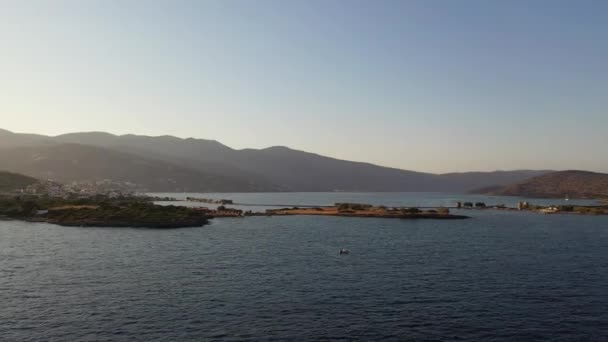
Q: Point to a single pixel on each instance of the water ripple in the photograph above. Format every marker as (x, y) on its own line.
(497, 277)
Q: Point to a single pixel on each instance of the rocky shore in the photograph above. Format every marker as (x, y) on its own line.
(365, 210)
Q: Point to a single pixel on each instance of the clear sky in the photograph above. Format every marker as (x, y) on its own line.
(424, 85)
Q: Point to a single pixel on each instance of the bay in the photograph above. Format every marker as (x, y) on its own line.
(500, 276)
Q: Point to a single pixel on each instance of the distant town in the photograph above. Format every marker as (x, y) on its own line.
(83, 189)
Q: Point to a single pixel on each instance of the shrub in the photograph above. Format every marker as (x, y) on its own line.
(346, 211)
(443, 211)
(410, 210)
(352, 206)
(343, 206)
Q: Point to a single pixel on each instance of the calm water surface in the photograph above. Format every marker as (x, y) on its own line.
(499, 276)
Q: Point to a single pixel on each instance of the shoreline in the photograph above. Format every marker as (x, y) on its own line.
(136, 212)
(367, 212)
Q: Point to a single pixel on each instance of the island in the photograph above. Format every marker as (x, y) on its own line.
(100, 212)
(210, 200)
(133, 211)
(368, 210)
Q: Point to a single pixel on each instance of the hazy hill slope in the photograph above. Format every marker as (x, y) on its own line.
(12, 181)
(575, 184)
(198, 154)
(289, 169)
(73, 162)
(9, 139)
(466, 181)
(292, 170)
(303, 171)
(198, 149)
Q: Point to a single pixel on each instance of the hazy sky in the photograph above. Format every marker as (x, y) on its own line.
(424, 85)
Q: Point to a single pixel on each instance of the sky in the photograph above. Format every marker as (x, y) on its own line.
(434, 86)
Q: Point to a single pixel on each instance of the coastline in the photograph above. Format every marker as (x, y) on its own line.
(367, 212)
(142, 212)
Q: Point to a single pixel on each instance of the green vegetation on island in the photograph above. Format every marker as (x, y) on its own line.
(100, 212)
(368, 210)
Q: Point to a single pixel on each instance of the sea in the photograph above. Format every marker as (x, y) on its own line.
(498, 276)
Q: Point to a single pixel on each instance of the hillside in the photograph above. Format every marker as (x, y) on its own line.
(9, 139)
(293, 170)
(218, 167)
(12, 181)
(574, 184)
(465, 181)
(73, 162)
(288, 169)
(198, 154)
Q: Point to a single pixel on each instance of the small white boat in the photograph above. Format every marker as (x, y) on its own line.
(344, 251)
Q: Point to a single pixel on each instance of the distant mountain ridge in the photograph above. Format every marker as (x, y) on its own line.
(572, 183)
(73, 162)
(207, 165)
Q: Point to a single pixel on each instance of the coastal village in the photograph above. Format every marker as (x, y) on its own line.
(83, 189)
(109, 203)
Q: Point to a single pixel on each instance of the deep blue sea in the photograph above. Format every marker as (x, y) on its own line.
(499, 276)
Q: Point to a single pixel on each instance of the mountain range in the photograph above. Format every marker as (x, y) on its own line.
(167, 163)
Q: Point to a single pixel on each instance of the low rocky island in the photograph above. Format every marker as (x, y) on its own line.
(367, 210)
(210, 200)
(340, 209)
